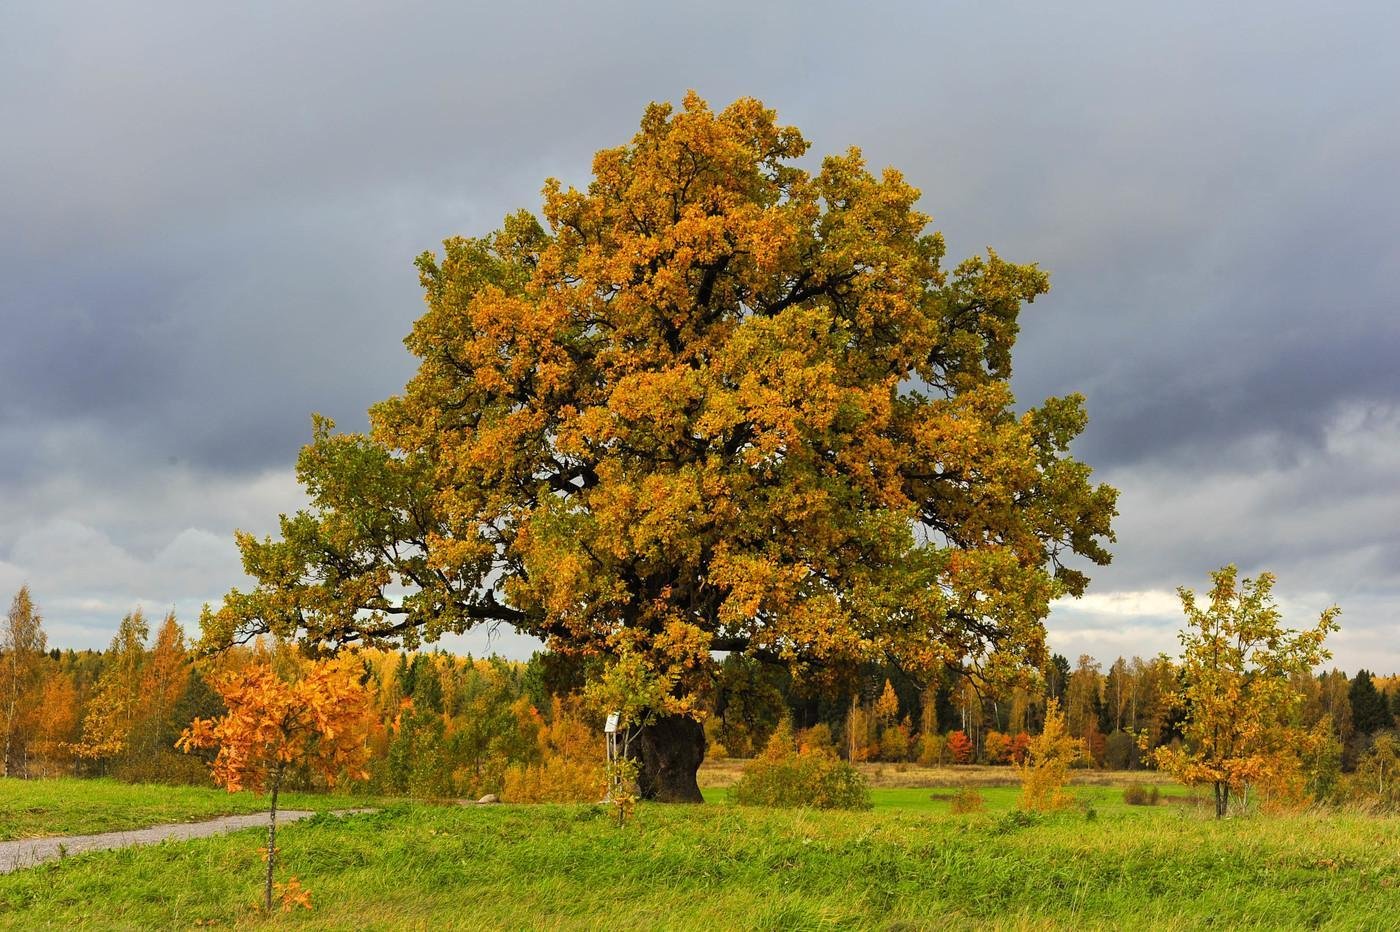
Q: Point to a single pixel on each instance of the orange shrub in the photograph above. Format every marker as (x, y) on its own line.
(960, 747)
(998, 747)
(1019, 746)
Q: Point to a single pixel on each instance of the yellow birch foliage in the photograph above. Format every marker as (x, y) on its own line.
(166, 671)
(570, 766)
(113, 713)
(22, 642)
(57, 720)
(887, 706)
(1049, 756)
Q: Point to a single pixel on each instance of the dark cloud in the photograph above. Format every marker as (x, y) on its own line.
(211, 213)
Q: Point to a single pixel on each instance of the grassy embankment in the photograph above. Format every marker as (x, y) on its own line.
(70, 806)
(908, 864)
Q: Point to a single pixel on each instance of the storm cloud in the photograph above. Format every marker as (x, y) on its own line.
(211, 211)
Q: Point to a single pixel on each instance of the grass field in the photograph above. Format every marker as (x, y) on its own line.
(69, 806)
(908, 864)
(1103, 799)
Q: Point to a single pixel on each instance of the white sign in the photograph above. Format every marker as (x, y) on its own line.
(611, 726)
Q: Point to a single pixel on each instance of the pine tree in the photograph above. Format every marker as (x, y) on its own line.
(1369, 711)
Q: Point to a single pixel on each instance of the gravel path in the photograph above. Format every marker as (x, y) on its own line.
(27, 852)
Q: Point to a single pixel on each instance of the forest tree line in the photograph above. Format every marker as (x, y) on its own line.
(447, 725)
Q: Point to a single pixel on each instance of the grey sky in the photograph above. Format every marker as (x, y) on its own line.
(210, 213)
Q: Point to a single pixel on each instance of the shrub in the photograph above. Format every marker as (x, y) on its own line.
(570, 767)
(163, 767)
(1135, 794)
(817, 738)
(894, 742)
(960, 747)
(1322, 763)
(1378, 773)
(1282, 786)
(555, 780)
(1095, 747)
(931, 749)
(1013, 821)
(785, 777)
(967, 800)
(997, 747)
(1121, 751)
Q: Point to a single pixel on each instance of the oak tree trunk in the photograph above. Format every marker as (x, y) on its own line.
(669, 752)
(1222, 799)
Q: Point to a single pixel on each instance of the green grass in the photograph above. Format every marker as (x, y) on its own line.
(1104, 799)
(70, 806)
(721, 866)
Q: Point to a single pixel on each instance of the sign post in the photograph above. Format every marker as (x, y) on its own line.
(614, 752)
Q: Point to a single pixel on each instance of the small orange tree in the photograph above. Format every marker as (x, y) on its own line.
(1239, 699)
(960, 747)
(320, 721)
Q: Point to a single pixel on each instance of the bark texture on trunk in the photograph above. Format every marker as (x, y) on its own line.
(669, 752)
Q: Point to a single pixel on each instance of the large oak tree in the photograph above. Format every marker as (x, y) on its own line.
(713, 402)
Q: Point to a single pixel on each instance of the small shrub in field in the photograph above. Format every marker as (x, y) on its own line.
(783, 776)
(555, 780)
(967, 800)
(1014, 820)
(1135, 794)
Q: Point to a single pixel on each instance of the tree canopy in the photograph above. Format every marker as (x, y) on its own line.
(1237, 660)
(715, 401)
